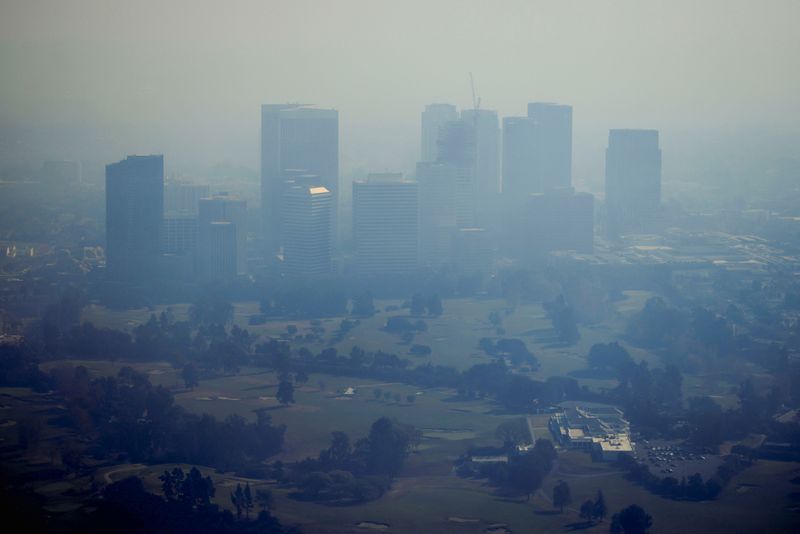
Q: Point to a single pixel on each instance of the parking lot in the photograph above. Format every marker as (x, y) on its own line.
(675, 459)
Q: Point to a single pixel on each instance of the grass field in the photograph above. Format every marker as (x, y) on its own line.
(453, 336)
(428, 497)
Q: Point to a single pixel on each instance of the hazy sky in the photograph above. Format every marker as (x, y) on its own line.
(98, 79)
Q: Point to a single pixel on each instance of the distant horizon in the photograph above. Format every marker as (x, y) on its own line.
(89, 88)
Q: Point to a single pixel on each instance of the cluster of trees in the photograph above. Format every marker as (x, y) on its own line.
(692, 489)
(398, 324)
(515, 392)
(653, 400)
(594, 510)
(161, 338)
(186, 507)
(126, 413)
(513, 350)
(348, 473)
(564, 319)
(522, 475)
(302, 301)
(420, 305)
(19, 367)
(631, 520)
(363, 304)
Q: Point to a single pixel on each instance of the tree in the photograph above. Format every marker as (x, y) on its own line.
(587, 510)
(434, 306)
(364, 305)
(190, 376)
(237, 499)
(562, 495)
(563, 318)
(608, 356)
(264, 498)
(389, 443)
(600, 507)
(514, 432)
(285, 394)
(631, 520)
(211, 311)
(301, 377)
(248, 500)
(417, 304)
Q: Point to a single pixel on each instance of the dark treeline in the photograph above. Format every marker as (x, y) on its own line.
(692, 489)
(125, 413)
(127, 507)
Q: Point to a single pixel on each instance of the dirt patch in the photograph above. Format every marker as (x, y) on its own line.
(463, 520)
(372, 525)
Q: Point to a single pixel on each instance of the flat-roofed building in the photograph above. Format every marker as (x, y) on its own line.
(600, 430)
(216, 252)
(134, 215)
(306, 224)
(225, 207)
(386, 224)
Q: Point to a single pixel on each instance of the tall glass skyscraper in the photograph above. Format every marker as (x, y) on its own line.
(295, 136)
(633, 180)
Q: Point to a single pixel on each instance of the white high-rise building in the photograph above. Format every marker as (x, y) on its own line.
(306, 226)
(385, 224)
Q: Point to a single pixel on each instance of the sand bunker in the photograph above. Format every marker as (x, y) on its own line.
(372, 525)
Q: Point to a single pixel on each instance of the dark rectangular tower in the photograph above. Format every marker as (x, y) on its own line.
(134, 215)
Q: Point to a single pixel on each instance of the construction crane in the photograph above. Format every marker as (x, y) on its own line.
(476, 102)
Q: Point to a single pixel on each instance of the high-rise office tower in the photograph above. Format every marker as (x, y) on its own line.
(179, 234)
(294, 136)
(457, 148)
(217, 251)
(487, 151)
(537, 150)
(385, 224)
(553, 146)
(633, 180)
(306, 223)
(225, 207)
(519, 162)
(134, 213)
(183, 198)
(437, 184)
(472, 250)
(434, 116)
(559, 219)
